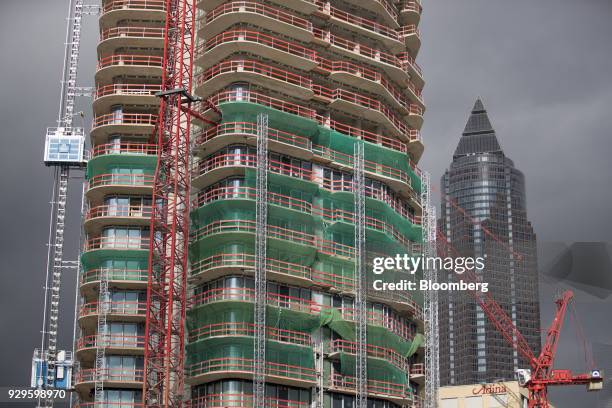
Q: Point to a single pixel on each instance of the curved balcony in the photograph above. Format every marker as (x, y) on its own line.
(417, 373)
(335, 347)
(112, 377)
(226, 133)
(411, 37)
(348, 186)
(137, 184)
(377, 318)
(115, 243)
(383, 8)
(115, 311)
(230, 329)
(228, 400)
(371, 109)
(125, 37)
(248, 295)
(411, 10)
(138, 149)
(218, 368)
(370, 80)
(129, 94)
(380, 32)
(395, 178)
(393, 66)
(398, 393)
(222, 45)
(116, 65)
(102, 216)
(218, 167)
(256, 14)
(137, 124)
(119, 278)
(114, 11)
(113, 343)
(219, 265)
(307, 113)
(225, 73)
(296, 239)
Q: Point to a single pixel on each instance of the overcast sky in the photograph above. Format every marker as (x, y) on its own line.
(542, 68)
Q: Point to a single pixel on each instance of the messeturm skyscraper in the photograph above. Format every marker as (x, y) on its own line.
(483, 214)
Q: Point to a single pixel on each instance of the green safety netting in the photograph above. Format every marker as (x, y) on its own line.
(242, 348)
(121, 164)
(378, 369)
(320, 135)
(236, 311)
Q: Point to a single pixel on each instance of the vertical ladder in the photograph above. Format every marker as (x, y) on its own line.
(102, 336)
(55, 268)
(259, 377)
(430, 312)
(361, 276)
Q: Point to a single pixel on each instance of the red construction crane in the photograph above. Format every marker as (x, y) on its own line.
(541, 374)
(166, 293)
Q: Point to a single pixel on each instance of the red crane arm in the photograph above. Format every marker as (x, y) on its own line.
(547, 356)
(502, 322)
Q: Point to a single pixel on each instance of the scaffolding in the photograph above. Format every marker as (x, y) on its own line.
(432, 378)
(64, 145)
(361, 277)
(259, 377)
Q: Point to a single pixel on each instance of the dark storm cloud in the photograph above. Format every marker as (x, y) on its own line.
(542, 68)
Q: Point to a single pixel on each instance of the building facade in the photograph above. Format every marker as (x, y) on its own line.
(483, 214)
(328, 75)
(486, 395)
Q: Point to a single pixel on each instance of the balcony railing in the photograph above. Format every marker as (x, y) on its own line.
(116, 243)
(128, 180)
(417, 369)
(254, 67)
(248, 295)
(295, 109)
(227, 400)
(248, 226)
(337, 346)
(249, 329)
(248, 261)
(110, 341)
(250, 160)
(364, 23)
(342, 382)
(113, 5)
(249, 128)
(126, 308)
(124, 119)
(256, 37)
(132, 32)
(257, 8)
(231, 364)
(130, 60)
(94, 275)
(124, 148)
(119, 374)
(124, 211)
(377, 318)
(127, 90)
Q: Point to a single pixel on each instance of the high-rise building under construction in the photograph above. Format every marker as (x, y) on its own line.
(484, 214)
(335, 90)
